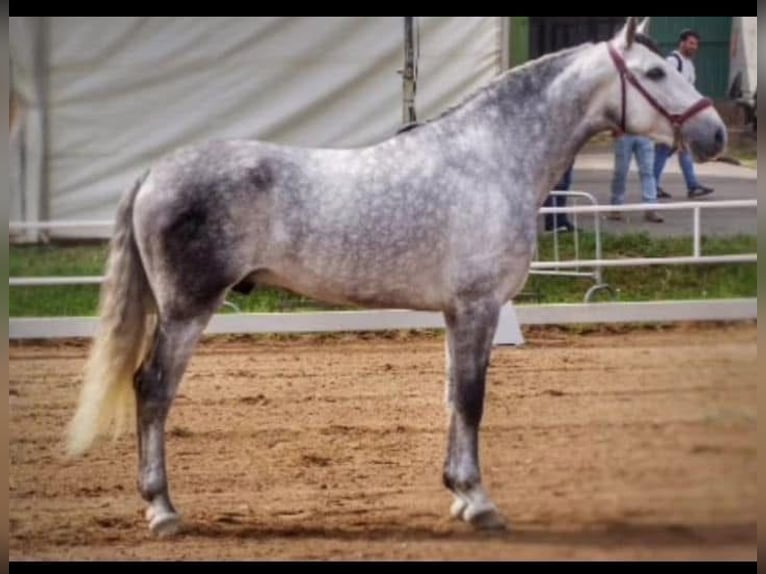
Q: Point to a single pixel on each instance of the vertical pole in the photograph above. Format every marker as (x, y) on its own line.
(408, 113)
(43, 86)
(696, 246)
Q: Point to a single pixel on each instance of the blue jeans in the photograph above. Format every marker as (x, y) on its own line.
(624, 148)
(661, 154)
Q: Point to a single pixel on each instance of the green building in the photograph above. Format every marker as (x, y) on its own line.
(531, 37)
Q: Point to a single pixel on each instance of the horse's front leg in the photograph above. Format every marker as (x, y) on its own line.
(470, 331)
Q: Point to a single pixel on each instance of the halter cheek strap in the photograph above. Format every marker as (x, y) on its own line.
(676, 120)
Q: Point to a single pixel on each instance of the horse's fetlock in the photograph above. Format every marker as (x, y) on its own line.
(457, 483)
(151, 486)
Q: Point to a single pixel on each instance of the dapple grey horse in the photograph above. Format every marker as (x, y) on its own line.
(441, 217)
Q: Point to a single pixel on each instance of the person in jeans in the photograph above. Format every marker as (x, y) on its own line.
(682, 60)
(559, 221)
(625, 147)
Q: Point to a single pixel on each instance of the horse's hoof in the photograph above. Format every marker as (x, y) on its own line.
(163, 525)
(457, 510)
(488, 519)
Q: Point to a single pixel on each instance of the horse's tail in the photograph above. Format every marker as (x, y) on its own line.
(127, 322)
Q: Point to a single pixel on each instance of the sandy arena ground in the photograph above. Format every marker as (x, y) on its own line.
(627, 445)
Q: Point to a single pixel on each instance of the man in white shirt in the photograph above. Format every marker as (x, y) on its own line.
(682, 60)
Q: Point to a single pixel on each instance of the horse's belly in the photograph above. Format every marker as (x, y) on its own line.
(361, 290)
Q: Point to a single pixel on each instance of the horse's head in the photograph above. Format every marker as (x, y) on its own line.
(650, 97)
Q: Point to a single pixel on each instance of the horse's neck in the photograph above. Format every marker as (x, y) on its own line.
(548, 111)
(574, 101)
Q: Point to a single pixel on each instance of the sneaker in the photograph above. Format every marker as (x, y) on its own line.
(699, 191)
(662, 194)
(568, 227)
(653, 216)
(563, 227)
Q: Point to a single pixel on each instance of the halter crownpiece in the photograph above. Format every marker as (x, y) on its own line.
(676, 120)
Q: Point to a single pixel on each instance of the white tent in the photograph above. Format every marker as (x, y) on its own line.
(103, 97)
(743, 62)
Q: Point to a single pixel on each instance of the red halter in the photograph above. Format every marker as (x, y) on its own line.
(676, 120)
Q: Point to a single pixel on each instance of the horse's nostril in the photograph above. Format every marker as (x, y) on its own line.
(719, 136)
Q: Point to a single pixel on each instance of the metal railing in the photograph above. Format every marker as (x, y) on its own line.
(696, 257)
(596, 273)
(539, 267)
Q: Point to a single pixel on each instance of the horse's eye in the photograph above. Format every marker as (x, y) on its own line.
(655, 74)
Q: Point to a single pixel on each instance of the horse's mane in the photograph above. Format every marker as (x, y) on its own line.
(518, 72)
(513, 74)
(645, 40)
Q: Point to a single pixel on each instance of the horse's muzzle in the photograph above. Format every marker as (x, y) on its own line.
(705, 136)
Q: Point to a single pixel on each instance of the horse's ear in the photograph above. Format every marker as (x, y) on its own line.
(643, 27)
(628, 33)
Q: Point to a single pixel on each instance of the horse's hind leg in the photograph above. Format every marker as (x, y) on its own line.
(470, 331)
(156, 383)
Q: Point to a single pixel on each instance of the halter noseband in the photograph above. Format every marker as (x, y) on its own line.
(676, 120)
